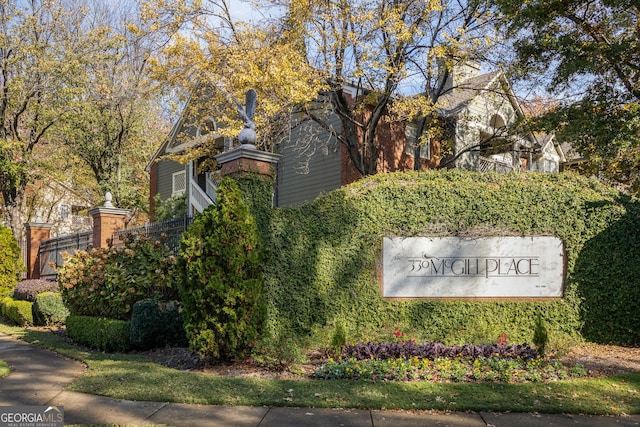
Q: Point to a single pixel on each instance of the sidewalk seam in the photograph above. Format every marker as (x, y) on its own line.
(164, 405)
(264, 416)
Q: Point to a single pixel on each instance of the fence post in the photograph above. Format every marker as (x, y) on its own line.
(106, 220)
(37, 232)
(241, 164)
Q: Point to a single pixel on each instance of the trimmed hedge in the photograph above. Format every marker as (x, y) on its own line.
(19, 312)
(325, 256)
(48, 309)
(110, 335)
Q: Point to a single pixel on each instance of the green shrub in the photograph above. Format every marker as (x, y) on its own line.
(278, 350)
(19, 312)
(4, 305)
(111, 335)
(325, 256)
(28, 290)
(157, 324)
(222, 289)
(10, 261)
(107, 282)
(48, 309)
(173, 207)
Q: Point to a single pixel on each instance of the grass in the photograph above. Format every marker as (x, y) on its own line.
(132, 377)
(4, 369)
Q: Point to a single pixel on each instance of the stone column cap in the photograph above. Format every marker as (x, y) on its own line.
(247, 151)
(39, 224)
(107, 210)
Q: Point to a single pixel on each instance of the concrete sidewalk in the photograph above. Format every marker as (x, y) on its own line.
(39, 377)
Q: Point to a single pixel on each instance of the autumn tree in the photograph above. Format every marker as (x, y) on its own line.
(115, 120)
(212, 59)
(395, 55)
(39, 52)
(587, 54)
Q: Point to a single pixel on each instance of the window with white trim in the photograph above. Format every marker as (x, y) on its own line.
(549, 166)
(178, 183)
(411, 130)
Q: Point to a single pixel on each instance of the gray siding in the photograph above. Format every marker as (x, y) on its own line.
(304, 174)
(166, 168)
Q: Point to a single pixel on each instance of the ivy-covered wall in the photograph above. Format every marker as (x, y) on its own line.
(324, 256)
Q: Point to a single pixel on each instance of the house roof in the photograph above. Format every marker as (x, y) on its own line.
(183, 126)
(458, 97)
(543, 139)
(571, 154)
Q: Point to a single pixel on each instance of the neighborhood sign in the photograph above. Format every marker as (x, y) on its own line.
(457, 267)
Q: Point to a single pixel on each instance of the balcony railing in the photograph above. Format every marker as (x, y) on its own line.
(486, 164)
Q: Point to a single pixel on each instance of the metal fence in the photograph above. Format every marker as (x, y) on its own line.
(50, 251)
(169, 231)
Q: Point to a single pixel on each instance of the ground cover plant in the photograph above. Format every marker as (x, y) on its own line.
(436, 362)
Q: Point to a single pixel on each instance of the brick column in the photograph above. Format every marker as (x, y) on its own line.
(106, 220)
(247, 159)
(37, 232)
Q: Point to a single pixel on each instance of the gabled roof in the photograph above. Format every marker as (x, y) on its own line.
(182, 126)
(162, 149)
(459, 96)
(570, 154)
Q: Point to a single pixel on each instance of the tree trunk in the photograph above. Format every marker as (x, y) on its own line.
(13, 207)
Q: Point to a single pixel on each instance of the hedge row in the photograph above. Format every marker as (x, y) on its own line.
(325, 256)
(19, 312)
(111, 335)
(153, 324)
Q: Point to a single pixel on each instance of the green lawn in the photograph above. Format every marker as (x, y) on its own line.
(4, 369)
(132, 377)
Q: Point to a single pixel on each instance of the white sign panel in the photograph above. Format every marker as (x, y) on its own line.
(456, 267)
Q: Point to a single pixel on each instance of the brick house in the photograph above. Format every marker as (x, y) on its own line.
(477, 110)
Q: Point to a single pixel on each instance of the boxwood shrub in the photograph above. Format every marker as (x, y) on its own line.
(48, 309)
(325, 257)
(111, 335)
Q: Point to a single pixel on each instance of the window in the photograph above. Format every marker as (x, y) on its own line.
(178, 183)
(64, 212)
(550, 166)
(412, 142)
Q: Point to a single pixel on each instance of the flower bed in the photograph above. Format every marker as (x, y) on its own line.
(408, 361)
(480, 369)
